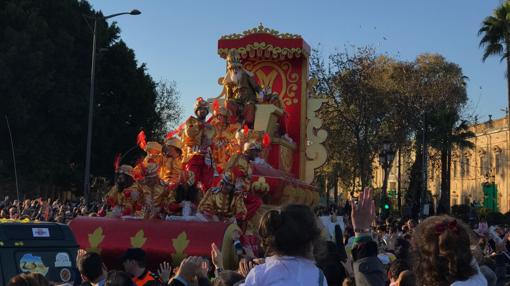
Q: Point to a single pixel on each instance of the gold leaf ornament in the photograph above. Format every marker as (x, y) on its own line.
(180, 243)
(138, 240)
(95, 239)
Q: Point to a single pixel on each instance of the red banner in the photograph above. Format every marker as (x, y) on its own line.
(162, 240)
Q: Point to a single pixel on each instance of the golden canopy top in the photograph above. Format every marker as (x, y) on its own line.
(260, 30)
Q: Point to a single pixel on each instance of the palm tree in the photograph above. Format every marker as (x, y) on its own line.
(496, 38)
(448, 132)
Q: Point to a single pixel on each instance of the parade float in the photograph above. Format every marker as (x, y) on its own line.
(261, 137)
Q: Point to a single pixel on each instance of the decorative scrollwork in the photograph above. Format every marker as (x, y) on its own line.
(316, 153)
(264, 50)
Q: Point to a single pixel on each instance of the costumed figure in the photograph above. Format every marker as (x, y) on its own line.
(196, 137)
(154, 191)
(182, 192)
(153, 155)
(124, 198)
(241, 91)
(224, 136)
(239, 166)
(171, 168)
(224, 202)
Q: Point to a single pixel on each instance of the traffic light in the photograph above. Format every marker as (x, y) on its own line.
(386, 207)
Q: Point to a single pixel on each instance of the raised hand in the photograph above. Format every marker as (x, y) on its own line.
(363, 213)
(216, 256)
(164, 271)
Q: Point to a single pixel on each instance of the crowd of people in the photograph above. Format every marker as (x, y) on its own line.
(61, 211)
(204, 170)
(328, 247)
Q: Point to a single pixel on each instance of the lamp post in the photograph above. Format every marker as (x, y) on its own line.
(86, 184)
(386, 157)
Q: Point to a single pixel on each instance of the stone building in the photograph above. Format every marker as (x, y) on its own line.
(472, 170)
(479, 168)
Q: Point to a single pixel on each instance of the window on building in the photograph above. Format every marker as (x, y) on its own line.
(467, 167)
(499, 166)
(464, 167)
(454, 168)
(496, 161)
(483, 167)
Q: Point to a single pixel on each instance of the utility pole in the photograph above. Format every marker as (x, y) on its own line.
(88, 151)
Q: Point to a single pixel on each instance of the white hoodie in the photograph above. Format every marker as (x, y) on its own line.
(286, 271)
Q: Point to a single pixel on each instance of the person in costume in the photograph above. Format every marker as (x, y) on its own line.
(196, 136)
(224, 136)
(224, 202)
(183, 196)
(124, 198)
(153, 155)
(241, 91)
(154, 191)
(239, 165)
(171, 168)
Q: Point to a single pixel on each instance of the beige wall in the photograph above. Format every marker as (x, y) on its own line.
(471, 167)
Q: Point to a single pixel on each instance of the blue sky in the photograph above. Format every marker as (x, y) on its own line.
(178, 39)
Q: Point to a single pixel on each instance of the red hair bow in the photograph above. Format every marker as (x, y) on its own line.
(452, 225)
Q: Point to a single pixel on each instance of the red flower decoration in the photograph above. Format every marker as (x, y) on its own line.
(442, 227)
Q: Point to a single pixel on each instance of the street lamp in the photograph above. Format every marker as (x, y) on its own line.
(386, 157)
(86, 184)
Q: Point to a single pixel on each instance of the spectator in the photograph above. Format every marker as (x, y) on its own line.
(330, 262)
(40, 279)
(191, 269)
(396, 268)
(28, 279)
(441, 245)
(227, 278)
(118, 278)
(288, 237)
(134, 263)
(402, 247)
(91, 268)
(368, 269)
(13, 213)
(405, 278)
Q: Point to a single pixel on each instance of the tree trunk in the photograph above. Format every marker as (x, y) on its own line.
(327, 190)
(413, 194)
(443, 200)
(448, 174)
(335, 194)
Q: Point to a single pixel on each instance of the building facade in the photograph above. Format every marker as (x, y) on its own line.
(477, 175)
(475, 171)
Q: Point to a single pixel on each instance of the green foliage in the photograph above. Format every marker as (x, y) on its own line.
(495, 32)
(45, 58)
(361, 110)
